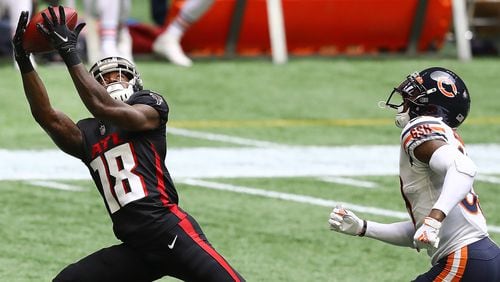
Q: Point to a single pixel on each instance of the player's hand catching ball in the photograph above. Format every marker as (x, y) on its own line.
(20, 55)
(61, 37)
(345, 221)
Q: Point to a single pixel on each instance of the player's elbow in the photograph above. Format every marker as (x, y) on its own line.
(43, 117)
(465, 165)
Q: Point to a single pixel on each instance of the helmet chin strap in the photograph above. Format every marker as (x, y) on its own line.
(118, 92)
(402, 118)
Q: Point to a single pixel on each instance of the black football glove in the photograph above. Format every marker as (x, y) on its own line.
(60, 36)
(20, 55)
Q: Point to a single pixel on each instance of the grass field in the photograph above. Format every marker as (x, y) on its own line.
(260, 224)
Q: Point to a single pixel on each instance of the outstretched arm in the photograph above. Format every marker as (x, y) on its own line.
(398, 233)
(345, 221)
(63, 131)
(93, 94)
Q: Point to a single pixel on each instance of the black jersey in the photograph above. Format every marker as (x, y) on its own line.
(129, 171)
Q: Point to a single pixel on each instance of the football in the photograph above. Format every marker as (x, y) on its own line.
(34, 41)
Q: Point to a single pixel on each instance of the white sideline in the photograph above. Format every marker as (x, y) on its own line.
(233, 162)
(263, 159)
(489, 179)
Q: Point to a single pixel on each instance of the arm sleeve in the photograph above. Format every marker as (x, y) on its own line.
(458, 171)
(398, 233)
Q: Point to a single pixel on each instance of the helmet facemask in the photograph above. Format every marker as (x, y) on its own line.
(409, 96)
(121, 89)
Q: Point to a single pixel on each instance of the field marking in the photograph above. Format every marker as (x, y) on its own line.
(237, 162)
(488, 178)
(488, 120)
(280, 123)
(56, 185)
(290, 197)
(266, 160)
(221, 138)
(349, 181)
(264, 144)
(302, 199)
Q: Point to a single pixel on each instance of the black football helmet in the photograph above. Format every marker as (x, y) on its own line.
(434, 91)
(123, 66)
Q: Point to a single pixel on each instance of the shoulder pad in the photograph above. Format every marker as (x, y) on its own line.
(422, 129)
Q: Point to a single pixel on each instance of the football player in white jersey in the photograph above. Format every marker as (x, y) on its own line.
(436, 177)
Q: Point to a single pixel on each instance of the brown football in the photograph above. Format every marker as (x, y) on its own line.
(34, 41)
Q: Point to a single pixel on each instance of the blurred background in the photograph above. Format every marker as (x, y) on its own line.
(273, 120)
(249, 28)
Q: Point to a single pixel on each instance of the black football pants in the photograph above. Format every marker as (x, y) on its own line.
(183, 252)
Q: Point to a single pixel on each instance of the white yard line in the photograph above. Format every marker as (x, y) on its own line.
(56, 185)
(221, 138)
(301, 199)
(349, 181)
(290, 197)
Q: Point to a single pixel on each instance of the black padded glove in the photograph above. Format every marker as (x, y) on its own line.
(61, 37)
(20, 55)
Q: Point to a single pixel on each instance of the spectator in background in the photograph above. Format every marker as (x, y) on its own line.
(167, 44)
(107, 31)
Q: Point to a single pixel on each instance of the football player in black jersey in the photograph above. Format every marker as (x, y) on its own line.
(124, 148)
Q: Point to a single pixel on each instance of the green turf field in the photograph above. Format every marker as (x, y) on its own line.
(267, 237)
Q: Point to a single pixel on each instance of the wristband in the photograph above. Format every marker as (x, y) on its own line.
(71, 58)
(432, 222)
(363, 229)
(24, 64)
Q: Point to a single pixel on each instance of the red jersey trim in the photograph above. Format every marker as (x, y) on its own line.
(186, 225)
(160, 186)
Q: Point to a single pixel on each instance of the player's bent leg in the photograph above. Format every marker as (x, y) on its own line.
(116, 263)
(483, 262)
(479, 261)
(197, 259)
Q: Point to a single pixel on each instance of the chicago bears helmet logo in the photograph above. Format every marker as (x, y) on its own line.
(447, 87)
(445, 83)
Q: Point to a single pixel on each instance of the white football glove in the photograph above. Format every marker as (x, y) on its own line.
(345, 221)
(426, 235)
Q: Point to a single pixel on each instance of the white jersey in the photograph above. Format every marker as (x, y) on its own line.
(421, 187)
